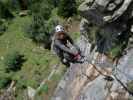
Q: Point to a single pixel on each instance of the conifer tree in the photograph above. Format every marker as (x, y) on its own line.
(67, 8)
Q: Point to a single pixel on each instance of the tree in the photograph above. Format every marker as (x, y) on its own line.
(23, 4)
(14, 61)
(67, 8)
(55, 3)
(2, 27)
(38, 31)
(4, 82)
(41, 8)
(4, 11)
(40, 28)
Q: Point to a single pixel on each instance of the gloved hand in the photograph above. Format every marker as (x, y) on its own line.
(77, 56)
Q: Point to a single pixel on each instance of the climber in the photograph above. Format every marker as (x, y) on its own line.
(64, 47)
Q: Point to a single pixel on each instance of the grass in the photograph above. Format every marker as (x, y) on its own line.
(75, 36)
(39, 61)
(130, 86)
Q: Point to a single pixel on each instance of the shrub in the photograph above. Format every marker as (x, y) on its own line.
(42, 24)
(130, 86)
(67, 8)
(4, 82)
(4, 11)
(38, 30)
(55, 3)
(42, 8)
(116, 51)
(43, 88)
(2, 28)
(11, 4)
(79, 2)
(14, 61)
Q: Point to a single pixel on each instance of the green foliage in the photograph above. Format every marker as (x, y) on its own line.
(44, 88)
(130, 86)
(21, 84)
(119, 43)
(11, 4)
(116, 51)
(14, 61)
(55, 3)
(51, 23)
(56, 77)
(38, 31)
(4, 82)
(2, 27)
(42, 25)
(67, 8)
(108, 43)
(32, 83)
(42, 8)
(39, 61)
(5, 11)
(79, 2)
(75, 35)
(14, 5)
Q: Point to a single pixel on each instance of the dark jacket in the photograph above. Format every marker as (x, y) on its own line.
(60, 46)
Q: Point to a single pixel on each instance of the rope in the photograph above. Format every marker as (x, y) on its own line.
(123, 85)
(107, 77)
(110, 78)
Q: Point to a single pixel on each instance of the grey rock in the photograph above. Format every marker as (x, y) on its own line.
(118, 1)
(111, 7)
(98, 88)
(104, 13)
(94, 91)
(125, 69)
(82, 81)
(62, 84)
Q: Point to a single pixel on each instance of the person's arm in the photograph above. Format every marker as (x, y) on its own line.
(69, 39)
(72, 42)
(63, 47)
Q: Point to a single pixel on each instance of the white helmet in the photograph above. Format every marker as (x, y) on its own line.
(59, 28)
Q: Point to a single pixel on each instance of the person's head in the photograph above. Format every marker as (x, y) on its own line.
(59, 30)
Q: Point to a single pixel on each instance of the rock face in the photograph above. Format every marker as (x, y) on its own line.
(84, 81)
(113, 19)
(113, 16)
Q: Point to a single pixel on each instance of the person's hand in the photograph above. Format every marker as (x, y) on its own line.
(77, 56)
